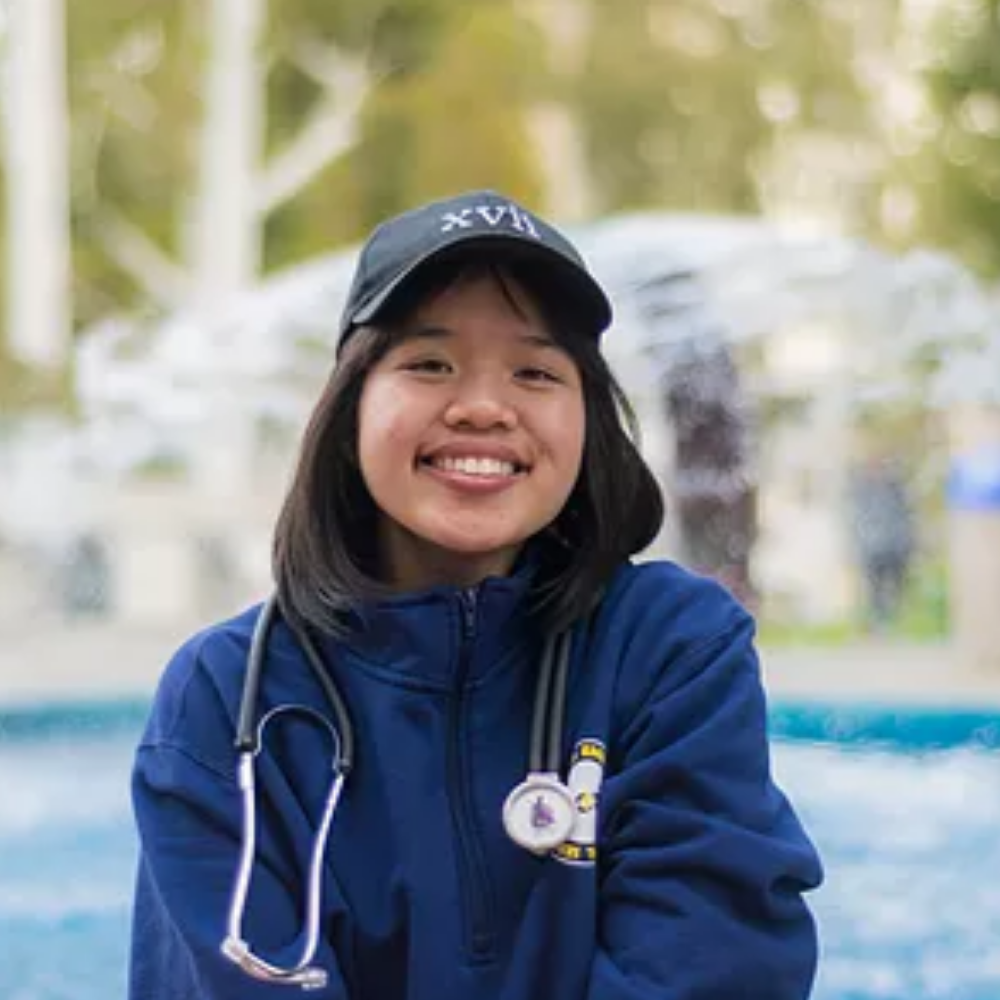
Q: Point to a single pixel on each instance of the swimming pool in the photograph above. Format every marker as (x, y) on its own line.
(904, 806)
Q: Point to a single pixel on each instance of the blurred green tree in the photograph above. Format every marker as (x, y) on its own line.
(366, 108)
(135, 107)
(370, 107)
(947, 154)
(446, 111)
(680, 101)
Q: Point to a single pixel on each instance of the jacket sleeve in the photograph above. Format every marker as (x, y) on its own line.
(189, 820)
(704, 863)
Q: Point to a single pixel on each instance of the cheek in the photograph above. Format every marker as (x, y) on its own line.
(382, 432)
(569, 435)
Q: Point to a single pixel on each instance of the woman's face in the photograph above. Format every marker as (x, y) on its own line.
(471, 435)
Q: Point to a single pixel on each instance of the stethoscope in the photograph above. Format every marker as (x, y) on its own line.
(538, 814)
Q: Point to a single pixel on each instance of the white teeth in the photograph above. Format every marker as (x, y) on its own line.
(475, 466)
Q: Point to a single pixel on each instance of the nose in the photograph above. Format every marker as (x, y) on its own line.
(481, 404)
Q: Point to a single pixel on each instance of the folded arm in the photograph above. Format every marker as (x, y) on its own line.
(704, 863)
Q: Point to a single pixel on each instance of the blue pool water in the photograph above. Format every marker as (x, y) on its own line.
(905, 808)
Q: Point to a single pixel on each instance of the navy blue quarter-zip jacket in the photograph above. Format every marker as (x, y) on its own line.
(684, 876)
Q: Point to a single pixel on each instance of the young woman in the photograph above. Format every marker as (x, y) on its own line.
(550, 775)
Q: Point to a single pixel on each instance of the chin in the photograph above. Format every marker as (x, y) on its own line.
(482, 544)
(482, 547)
(469, 535)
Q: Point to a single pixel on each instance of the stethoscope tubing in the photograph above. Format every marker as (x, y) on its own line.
(248, 733)
(548, 713)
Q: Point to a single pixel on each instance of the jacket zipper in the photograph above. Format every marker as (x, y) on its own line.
(473, 879)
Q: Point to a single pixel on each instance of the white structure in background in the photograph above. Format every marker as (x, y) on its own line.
(827, 321)
(555, 130)
(238, 187)
(833, 323)
(225, 224)
(36, 176)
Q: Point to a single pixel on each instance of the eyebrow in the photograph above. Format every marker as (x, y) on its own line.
(443, 333)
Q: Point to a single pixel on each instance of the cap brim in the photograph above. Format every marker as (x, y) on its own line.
(558, 277)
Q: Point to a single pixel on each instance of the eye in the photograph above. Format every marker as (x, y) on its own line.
(427, 366)
(533, 374)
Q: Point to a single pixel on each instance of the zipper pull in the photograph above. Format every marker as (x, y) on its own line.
(469, 600)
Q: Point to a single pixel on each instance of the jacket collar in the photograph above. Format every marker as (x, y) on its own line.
(445, 636)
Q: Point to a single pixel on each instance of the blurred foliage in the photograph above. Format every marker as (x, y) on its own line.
(134, 107)
(24, 389)
(680, 100)
(925, 613)
(782, 633)
(452, 83)
(445, 114)
(924, 616)
(953, 171)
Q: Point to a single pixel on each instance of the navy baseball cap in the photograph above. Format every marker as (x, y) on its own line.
(477, 222)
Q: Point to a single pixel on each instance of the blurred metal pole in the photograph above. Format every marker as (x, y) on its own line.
(39, 311)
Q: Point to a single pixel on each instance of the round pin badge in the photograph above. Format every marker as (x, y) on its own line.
(539, 813)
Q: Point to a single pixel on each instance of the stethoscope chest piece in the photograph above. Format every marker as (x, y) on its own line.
(539, 813)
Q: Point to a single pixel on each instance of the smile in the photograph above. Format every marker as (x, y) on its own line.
(486, 468)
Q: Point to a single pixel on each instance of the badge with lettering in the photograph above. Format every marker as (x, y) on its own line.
(586, 774)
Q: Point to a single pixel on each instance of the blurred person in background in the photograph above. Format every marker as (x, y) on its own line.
(85, 578)
(884, 536)
(469, 497)
(712, 483)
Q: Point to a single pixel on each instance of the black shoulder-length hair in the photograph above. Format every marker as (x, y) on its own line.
(324, 554)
